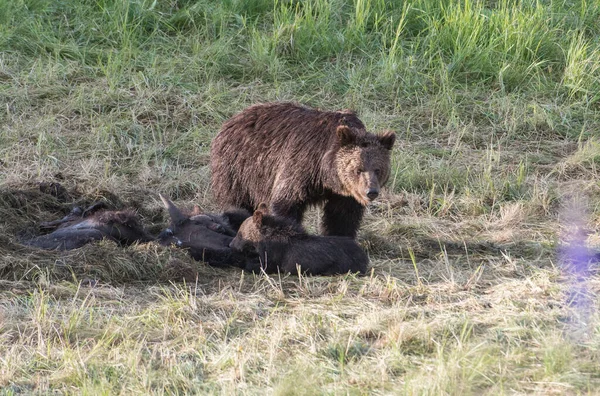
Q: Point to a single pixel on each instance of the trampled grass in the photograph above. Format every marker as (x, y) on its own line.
(494, 191)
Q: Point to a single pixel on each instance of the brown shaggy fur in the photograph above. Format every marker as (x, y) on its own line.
(282, 244)
(293, 156)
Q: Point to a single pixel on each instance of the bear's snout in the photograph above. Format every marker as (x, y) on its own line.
(372, 193)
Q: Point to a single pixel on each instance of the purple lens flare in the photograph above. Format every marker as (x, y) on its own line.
(576, 262)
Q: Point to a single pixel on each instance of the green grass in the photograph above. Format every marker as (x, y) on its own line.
(496, 108)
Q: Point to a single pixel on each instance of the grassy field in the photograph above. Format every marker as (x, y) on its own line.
(483, 279)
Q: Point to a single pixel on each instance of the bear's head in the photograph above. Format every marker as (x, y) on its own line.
(363, 162)
(263, 227)
(249, 234)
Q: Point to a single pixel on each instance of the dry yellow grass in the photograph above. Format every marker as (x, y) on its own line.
(474, 287)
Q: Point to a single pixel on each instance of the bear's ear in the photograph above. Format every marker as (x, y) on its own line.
(263, 208)
(387, 139)
(345, 135)
(257, 217)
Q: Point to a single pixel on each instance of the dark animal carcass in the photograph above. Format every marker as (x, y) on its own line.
(84, 226)
(205, 236)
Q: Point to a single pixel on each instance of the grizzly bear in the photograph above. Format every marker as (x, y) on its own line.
(282, 245)
(292, 157)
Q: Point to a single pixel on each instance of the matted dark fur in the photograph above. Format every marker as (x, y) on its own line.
(292, 156)
(84, 226)
(282, 244)
(206, 237)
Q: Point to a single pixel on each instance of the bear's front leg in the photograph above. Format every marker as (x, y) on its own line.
(285, 208)
(342, 216)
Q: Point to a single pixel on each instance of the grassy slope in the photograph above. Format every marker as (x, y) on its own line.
(496, 109)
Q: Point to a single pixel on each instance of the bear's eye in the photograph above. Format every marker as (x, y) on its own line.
(378, 172)
(359, 171)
